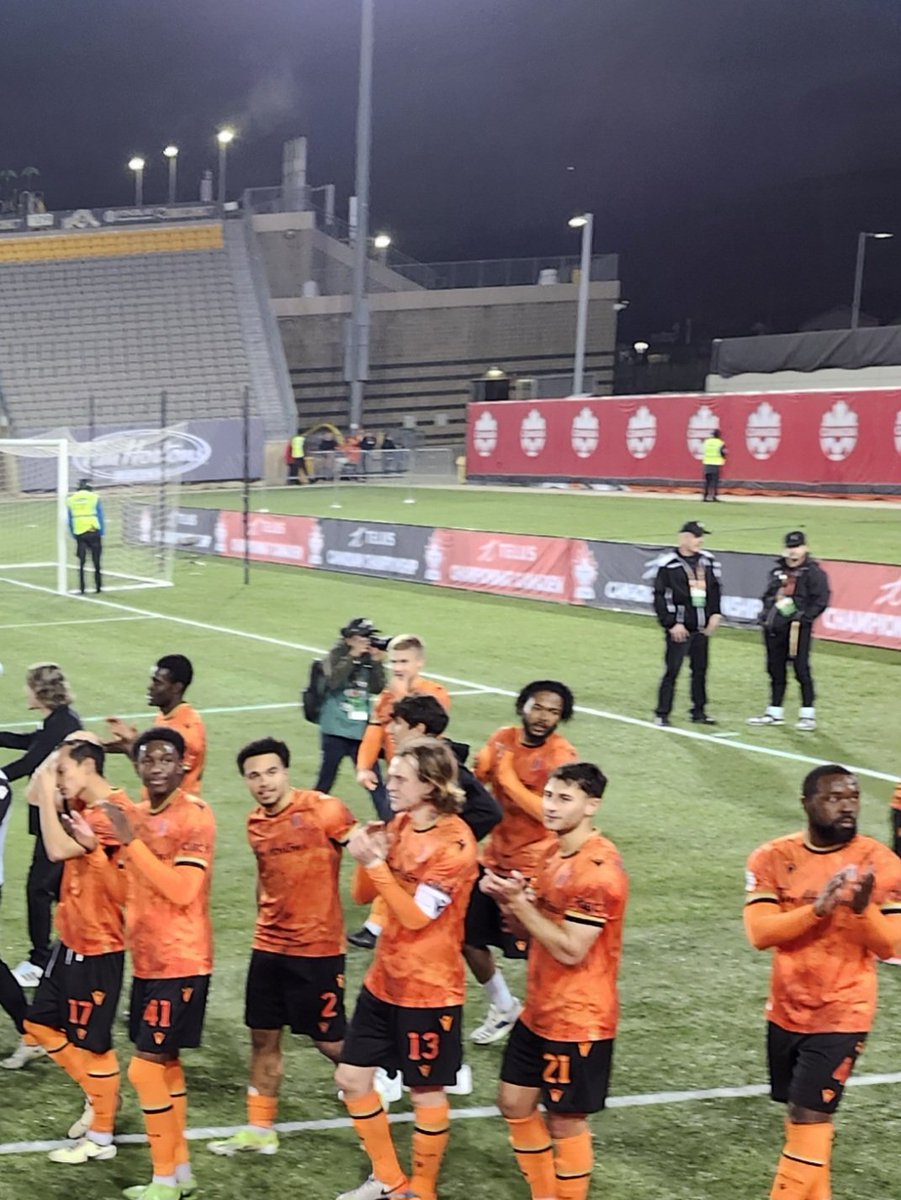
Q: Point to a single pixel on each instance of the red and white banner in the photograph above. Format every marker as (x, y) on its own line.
(866, 605)
(297, 541)
(828, 438)
(509, 564)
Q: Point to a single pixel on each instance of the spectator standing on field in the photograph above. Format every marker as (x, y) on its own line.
(713, 458)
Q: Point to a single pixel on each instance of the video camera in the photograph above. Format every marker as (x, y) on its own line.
(363, 627)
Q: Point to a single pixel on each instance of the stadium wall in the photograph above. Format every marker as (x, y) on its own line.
(826, 442)
(866, 597)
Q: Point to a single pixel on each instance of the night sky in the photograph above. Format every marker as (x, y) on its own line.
(730, 149)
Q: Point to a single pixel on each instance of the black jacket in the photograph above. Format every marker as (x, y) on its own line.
(37, 746)
(481, 811)
(672, 590)
(808, 586)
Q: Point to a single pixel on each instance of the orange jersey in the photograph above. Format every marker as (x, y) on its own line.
(90, 917)
(298, 855)
(580, 1003)
(168, 940)
(377, 741)
(423, 968)
(189, 723)
(520, 842)
(822, 981)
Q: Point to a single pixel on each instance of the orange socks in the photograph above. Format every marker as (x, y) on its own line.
(803, 1171)
(371, 1123)
(261, 1110)
(72, 1060)
(175, 1082)
(531, 1144)
(102, 1087)
(163, 1130)
(430, 1137)
(573, 1160)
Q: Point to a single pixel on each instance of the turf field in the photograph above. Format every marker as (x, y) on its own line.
(684, 807)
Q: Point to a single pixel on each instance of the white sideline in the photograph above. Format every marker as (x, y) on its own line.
(602, 713)
(641, 1100)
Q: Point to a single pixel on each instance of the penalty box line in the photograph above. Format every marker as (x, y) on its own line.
(641, 1100)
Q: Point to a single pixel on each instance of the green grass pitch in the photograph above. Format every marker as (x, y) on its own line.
(684, 811)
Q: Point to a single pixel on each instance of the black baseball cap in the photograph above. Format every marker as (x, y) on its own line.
(797, 537)
(694, 527)
(361, 626)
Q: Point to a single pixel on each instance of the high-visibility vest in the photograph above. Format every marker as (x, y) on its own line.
(713, 452)
(297, 444)
(85, 510)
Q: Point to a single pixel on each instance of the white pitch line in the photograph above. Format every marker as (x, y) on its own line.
(641, 1100)
(602, 713)
(83, 621)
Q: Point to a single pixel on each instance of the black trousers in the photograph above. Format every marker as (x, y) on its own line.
(12, 998)
(334, 750)
(85, 544)
(789, 644)
(695, 647)
(711, 483)
(41, 893)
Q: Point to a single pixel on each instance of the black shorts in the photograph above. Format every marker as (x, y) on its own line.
(811, 1069)
(306, 994)
(424, 1044)
(166, 1015)
(79, 994)
(573, 1077)
(485, 927)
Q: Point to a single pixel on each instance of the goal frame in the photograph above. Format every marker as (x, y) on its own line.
(61, 447)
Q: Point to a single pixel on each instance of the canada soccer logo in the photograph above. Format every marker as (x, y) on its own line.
(763, 431)
(838, 431)
(585, 433)
(700, 426)
(533, 433)
(898, 431)
(484, 434)
(584, 573)
(641, 432)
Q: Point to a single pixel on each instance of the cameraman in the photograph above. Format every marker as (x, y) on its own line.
(354, 675)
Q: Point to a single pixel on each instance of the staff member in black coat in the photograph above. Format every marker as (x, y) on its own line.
(797, 592)
(687, 603)
(48, 693)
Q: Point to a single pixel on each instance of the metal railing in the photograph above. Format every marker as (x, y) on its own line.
(415, 467)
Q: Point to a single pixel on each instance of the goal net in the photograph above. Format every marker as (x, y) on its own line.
(37, 475)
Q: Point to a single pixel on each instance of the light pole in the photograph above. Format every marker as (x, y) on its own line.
(224, 137)
(171, 152)
(858, 272)
(136, 164)
(382, 243)
(585, 222)
(357, 363)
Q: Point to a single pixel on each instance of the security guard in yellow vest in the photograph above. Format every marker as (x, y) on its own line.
(87, 526)
(713, 458)
(297, 464)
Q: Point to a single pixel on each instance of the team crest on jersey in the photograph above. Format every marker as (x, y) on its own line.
(446, 1022)
(186, 994)
(98, 997)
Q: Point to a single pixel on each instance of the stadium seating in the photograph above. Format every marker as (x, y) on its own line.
(99, 323)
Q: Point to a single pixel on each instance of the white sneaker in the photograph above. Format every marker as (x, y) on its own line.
(374, 1189)
(462, 1085)
(496, 1025)
(389, 1087)
(766, 719)
(22, 1056)
(806, 724)
(82, 1151)
(27, 975)
(79, 1128)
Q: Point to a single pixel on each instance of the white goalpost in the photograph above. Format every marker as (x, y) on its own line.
(37, 474)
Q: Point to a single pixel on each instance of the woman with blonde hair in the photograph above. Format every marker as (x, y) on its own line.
(47, 692)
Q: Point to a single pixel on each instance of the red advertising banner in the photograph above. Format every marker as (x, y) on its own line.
(850, 437)
(866, 605)
(297, 541)
(508, 564)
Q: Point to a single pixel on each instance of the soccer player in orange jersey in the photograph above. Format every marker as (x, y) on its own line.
(561, 1048)
(74, 1007)
(409, 1011)
(828, 902)
(169, 858)
(296, 975)
(406, 659)
(169, 680)
(515, 763)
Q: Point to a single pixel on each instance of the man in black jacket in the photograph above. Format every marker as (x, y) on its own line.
(687, 603)
(48, 693)
(797, 592)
